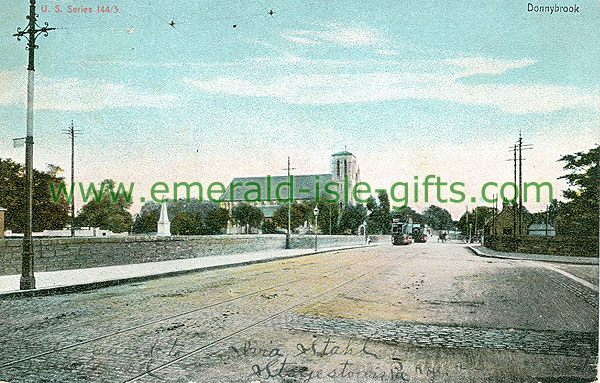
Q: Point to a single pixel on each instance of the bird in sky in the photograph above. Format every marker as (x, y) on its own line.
(271, 12)
(172, 23)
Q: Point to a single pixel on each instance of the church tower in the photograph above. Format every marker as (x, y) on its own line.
(343, 164)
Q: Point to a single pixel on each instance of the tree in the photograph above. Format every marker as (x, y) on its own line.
(184, 223)
(352, 217)
(380, 219)
(437, 218)
(108, 212)
(48, 213)
(268, 227)
(407, 214)
(247, 216)
(146, 221)
(476, 219)
(550, 215)
(385, 213)
(329, 215)
(579, 215)
(216, 221)
(297, 216)
(188, 217)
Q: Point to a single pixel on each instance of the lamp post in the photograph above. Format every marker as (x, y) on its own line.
(330, 219)
(31, 33)
(316, 211)
(366, 227)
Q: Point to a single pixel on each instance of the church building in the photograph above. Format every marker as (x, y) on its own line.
(267, 192)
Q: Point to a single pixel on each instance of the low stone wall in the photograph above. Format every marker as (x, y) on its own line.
(324, 241)
(75, 253)
(575, 246)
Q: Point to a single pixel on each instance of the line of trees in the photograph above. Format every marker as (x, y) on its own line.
(188, 217)
(433, 216)
(577, 215)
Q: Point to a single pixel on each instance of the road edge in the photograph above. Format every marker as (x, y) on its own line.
(81, 287)
(485, 255)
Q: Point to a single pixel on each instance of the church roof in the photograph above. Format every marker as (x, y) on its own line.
(269, 210)
(540, 226)
(304, 187)
(342, 153)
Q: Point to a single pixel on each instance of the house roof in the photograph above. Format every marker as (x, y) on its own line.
(304, 187)
(508, 208)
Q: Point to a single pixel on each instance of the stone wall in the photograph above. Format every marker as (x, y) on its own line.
(560, 245)
(75, 253)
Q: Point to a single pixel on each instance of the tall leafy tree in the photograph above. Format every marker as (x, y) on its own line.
(146, 221)
(379, 221)
(477, 218)
(579, 215)
(247, 216)
(184, 224)
(216, 220)
(48, 213)
(297, 216)
(108, 212)
(329, 216)
(407, 214)
(352, 217)
(385, 217)
(268, 227)
(438, 218)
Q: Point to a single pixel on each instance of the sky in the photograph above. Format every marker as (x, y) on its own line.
(411, 88)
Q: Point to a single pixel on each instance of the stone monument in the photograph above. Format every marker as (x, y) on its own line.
(164, 225)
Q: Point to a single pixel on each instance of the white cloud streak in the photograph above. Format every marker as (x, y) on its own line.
(77, 94)
(337, 34)
(318, 89)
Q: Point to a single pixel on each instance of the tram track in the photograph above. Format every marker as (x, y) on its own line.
(159, 320)
(313, 299)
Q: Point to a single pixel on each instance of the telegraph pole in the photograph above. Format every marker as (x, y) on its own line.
(520, 185)
(289, 210)
(514, 204)
(521, 148)
(72, 132)
(30, 34)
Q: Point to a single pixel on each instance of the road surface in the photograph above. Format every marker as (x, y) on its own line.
(430, 312)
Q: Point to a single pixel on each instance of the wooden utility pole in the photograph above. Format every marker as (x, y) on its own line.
(30, 34)
(521, 148)
(514, 204)
(290, 200)
(71, 132)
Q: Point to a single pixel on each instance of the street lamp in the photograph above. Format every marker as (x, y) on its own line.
(30, 34)
(316, 211)
(366, 223)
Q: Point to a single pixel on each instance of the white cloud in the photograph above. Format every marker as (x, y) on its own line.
(315, 89)
(484, 65)
(337, 34)
(301, 40)
(76, 94)
(387, 52)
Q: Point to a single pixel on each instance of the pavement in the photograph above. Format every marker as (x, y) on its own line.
(423, 313)
(66, 281)
(485, 252)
